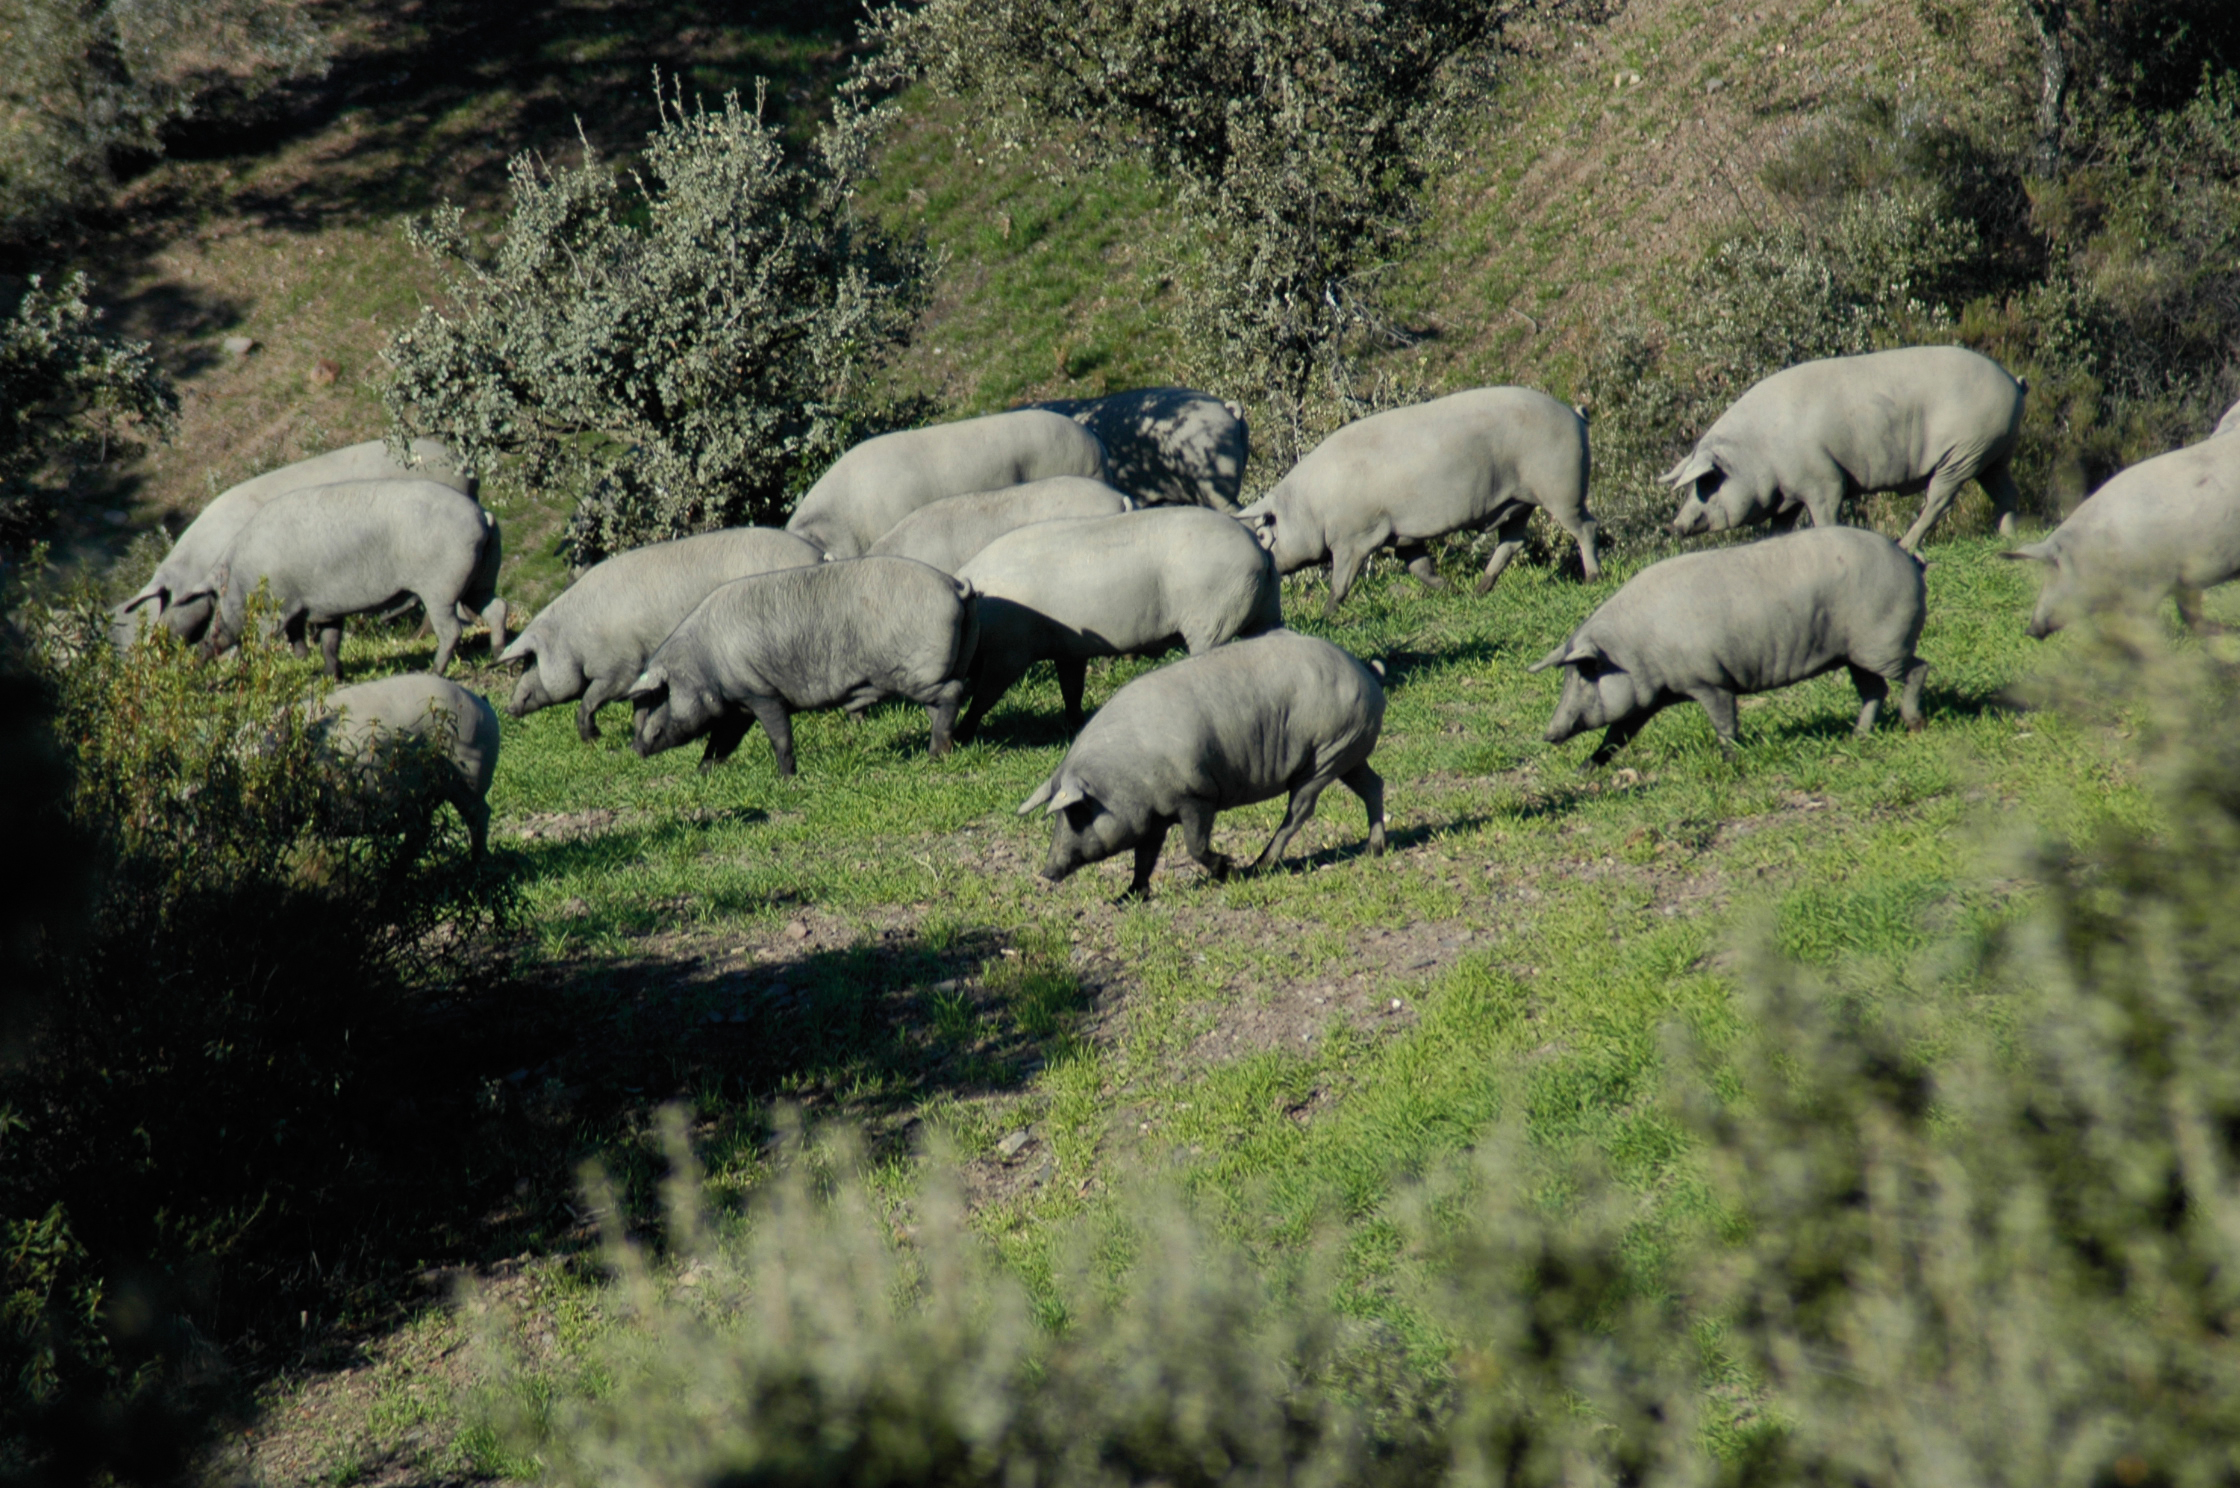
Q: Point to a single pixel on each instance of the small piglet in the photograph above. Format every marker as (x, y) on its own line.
(948, 533)
(1128, 585)
(1242, 723)
(1764, 615)
(2166, 525)
(840, 634)
(364, 727)
(594, 640)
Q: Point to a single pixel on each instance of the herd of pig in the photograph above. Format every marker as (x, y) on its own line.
(939, 564)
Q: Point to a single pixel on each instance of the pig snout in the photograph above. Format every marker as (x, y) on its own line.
(1692, 519)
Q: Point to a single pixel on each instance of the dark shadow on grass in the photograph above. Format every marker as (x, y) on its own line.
(1936, 703)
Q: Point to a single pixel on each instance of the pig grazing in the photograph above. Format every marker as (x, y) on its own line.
(1714, 625)
(947, 533)
(366, 726)
(204, 542)
(1933, 417)
(1242, 723)
(1168, 446)
(875, 485)
(339, 550)
(594, 640)
(1127, 585)
(1478, 459)
(2169, 524)
(835, 635)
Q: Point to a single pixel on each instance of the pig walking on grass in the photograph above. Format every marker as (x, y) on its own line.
(371, 727)
(206, 538)
(594, 640)
(1919, 418)
(1245, 722)
(874, 486)
(1716, 625)
(948, 533)
(2169, 525)
(836, 635)
(345, 549)
(1478, 459)
(1128, 585)
(1168, 446)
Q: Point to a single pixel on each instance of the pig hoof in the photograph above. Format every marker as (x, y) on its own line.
(1916, 725)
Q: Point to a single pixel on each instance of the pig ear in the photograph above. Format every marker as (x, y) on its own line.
(2037, 552)
(653, 682)
(1041, 795)
(1569, 654)
(1553, 658)
(1066, 795)
(1691, 470)
(1264, 529)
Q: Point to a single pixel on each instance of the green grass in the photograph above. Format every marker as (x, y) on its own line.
(1517, 956)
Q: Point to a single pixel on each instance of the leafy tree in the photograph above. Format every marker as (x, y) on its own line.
(62, 382)
(91, 81)
(1296, 134)
(682, 343)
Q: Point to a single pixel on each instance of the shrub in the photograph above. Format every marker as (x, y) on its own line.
(94, 82)
(681, 349)
(185, 1116)
(64, 387)
(1296, 138)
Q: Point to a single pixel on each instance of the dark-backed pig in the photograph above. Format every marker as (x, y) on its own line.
(374, 726)
(1478, 459)
(1168, 446)
(1243, 723)
(1735, 620)
(205, 539)
(339, 550)
(879, 482)
(2166, 525)
(594, 640)
(1804, 440)
(836, 635)
(1129, 585)
(948, 533)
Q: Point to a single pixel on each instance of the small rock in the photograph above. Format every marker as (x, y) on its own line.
(324, 372)
(239, 346)
(1714, 85)
(951, 985)
(798, 929)
(1009, 1147)
(573, 907)
(116, 518)
(1396, 1004)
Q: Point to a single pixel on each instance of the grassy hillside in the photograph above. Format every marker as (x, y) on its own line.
(870, 941)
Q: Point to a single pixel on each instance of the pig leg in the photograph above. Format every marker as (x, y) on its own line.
(1873, 688)
(441, 615)
(1998, 484)
(941, 715)
(1822, 498)
(777, 722)
(989, 684)
(1303, 798)
(1909, 701)
(1584, 534)
(601, 691)
(1073, 678)
(1718, 705)
(1944, 486)
(330, 650)
(1369, 786)
(725, 738)
(494, 616)
(2189, 611)
(1422, 566)
(1147, 858)
(1508, 544)
(1345, 564)
(295, 631)
(1196, 817)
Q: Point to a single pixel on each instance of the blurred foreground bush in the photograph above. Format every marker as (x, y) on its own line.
(1981, 1226)
(183, 1103)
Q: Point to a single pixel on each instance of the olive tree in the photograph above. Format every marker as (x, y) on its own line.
(1296, 135)
(679, 343)
(64, 386)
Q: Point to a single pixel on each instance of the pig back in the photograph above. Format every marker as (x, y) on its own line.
(2175, 517)
(1433, 467)
(1128, 582)
(1761, 615)
(351, 546)
(949, 532)
(629, 603)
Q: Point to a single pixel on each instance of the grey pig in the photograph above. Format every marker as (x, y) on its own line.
(1919, 418)
(1739, 620)
(2169, 524)
(879, 482)
(947, 533)
(204, 541)
(1112, 586)
(841, 634)
(2229, 423)
(339, 550)
(1241, 723)
(1475, 459)
(1168, 446)
(594, 640)
(362, 726)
